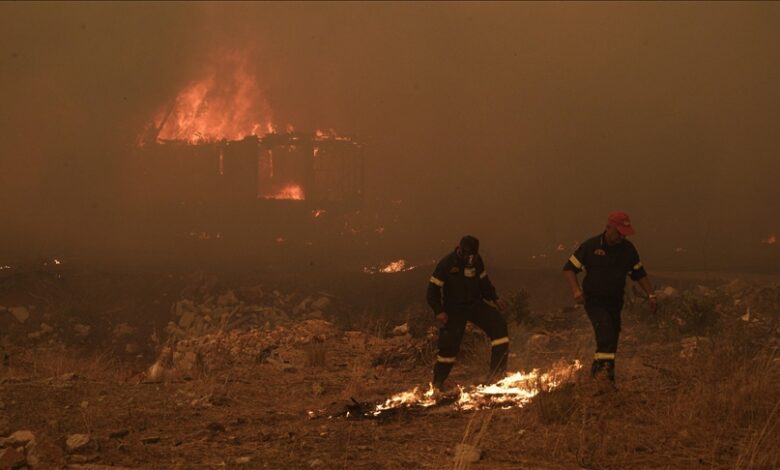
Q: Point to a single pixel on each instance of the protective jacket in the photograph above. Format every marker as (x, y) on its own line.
(455, 284)
(606, 266)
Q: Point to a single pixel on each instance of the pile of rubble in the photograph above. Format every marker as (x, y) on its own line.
(738, 307)
(221, 349)
(218, 331)
(736, 300)
(227, 313)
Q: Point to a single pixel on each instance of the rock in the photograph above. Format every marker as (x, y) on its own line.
(90, 466)
(401, 330)
(466, 453)
(316, 463)
(243, 460)
(20, 313)
(86, 458)
(226, 299)
(119, 434)
(20, 438)
(301, 306)
(150, 440)
(321, 303)
(75, 442)
(45, 329)
(11, 458)
(81, 330)
(186, 320)
(45, 453)
(314, 315)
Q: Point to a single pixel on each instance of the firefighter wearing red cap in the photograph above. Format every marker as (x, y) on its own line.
(456, 293)
(607, 259)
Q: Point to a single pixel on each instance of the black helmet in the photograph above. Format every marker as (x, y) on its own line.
(469, 245)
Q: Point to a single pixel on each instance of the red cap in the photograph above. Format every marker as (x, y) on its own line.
(621, 221)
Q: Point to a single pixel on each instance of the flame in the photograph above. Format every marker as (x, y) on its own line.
(770, 240)
(224, 103)
(393, 267)
(514, 391)
(291, 191)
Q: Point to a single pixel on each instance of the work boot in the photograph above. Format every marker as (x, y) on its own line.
(603, 368)
(440, 373)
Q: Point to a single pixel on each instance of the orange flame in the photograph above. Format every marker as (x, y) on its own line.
(291, 191)
(225, 103)
(393, 267)
(514, 391)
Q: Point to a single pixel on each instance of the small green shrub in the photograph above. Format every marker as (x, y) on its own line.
(517, 307)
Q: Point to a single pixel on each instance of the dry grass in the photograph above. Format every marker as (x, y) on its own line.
(717, 409)
(316, 354)
(61, 362)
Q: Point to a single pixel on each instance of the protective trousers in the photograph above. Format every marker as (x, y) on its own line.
(486, 318)
(604, 314)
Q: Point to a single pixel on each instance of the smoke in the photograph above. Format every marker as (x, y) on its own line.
(524, 124)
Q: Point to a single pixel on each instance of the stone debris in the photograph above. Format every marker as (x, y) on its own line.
(81, 330)
(226, 312)
(20, 313)
(18, 438)
(401, 330)
(12, 458)
(75, 442)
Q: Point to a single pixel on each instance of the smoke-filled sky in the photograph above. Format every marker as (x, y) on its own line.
(522, 123)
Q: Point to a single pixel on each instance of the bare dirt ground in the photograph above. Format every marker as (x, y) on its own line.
(257, 370)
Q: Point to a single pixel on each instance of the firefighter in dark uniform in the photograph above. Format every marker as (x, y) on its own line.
(457, 292)
(607, 258)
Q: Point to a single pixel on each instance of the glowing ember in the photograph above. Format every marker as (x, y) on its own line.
(225, 103)
(291, 191)
(770, 240)
(560, 247)
(394, 267)
(514, 391)
(318, 212)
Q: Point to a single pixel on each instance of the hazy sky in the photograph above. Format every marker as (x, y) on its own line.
(521, 123)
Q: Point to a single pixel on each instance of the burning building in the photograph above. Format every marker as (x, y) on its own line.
(215, 145)
(321, 170)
